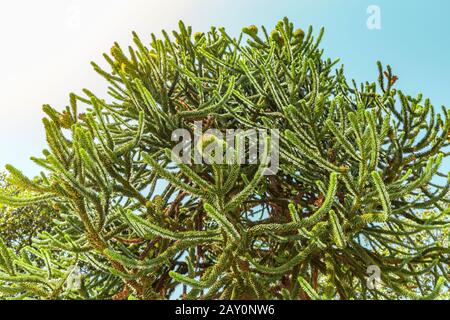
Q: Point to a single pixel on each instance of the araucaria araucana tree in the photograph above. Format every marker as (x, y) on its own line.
(358, 186)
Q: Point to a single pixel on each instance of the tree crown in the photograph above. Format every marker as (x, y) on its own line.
(356, 185)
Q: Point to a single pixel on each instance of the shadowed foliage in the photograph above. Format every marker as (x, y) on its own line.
(19, 225)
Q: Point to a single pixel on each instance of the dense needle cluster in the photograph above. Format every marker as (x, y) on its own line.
(359, 183)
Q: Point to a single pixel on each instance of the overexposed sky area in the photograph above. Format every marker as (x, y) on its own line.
(46, 47)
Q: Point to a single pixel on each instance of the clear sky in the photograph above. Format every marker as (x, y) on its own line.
(46, 47)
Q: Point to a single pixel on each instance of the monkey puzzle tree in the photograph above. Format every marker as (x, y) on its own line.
(358, 183)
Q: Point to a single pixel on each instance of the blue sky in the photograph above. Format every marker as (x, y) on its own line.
(47, 47)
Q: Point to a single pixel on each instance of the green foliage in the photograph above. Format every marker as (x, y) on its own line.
(359, 181)
(18, 225)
